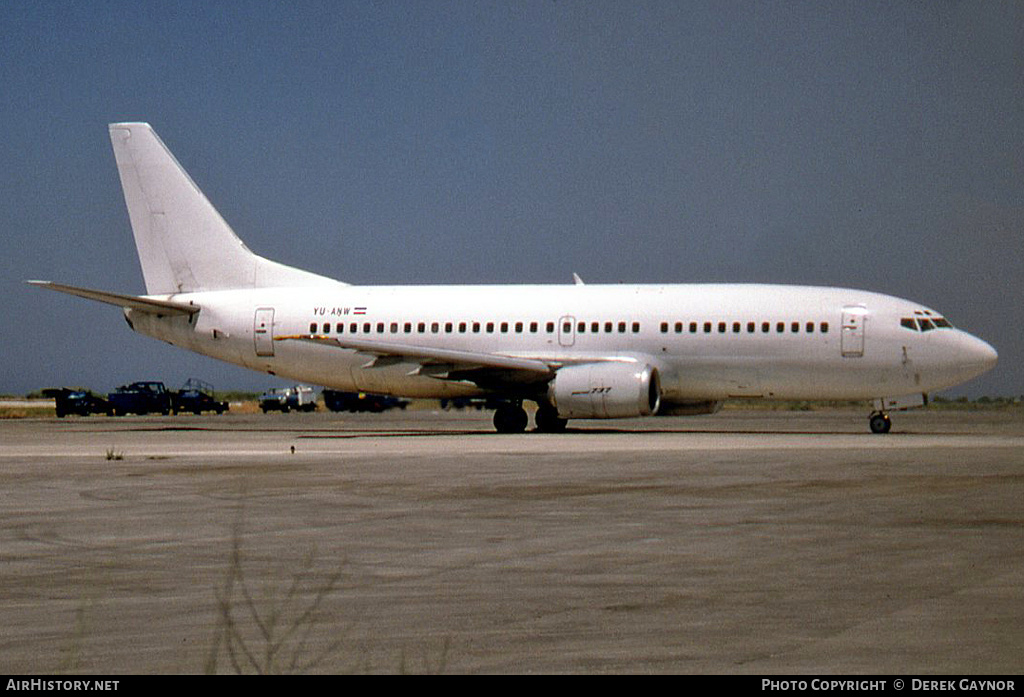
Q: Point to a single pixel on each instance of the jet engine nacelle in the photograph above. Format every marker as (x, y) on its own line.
(605, 391)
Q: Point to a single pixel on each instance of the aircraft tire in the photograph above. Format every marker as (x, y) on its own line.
(510, 418)
(880, 423)
(548, 421)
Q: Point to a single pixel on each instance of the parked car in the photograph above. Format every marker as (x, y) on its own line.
(336, 400)
(140, 398)
(284, 399)
(74, 400)
(196, 396)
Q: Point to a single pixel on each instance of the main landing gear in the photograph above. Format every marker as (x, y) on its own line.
(547, 419)
(512, 418)
(880, 422)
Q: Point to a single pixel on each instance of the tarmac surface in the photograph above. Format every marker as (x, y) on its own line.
(744, 542)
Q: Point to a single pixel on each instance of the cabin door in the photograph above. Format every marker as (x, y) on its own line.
(263, 331)
(854, 319)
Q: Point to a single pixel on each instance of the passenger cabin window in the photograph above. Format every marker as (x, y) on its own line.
(312, 328)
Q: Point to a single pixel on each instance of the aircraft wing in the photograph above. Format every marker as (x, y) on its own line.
(140, 303)
(436, 362)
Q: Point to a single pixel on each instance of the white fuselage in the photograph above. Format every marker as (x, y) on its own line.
(709, 342)
(578, 351)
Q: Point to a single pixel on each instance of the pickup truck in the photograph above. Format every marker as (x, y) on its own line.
(140, 398)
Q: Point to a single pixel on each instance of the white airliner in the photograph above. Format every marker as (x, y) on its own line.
(579, 351)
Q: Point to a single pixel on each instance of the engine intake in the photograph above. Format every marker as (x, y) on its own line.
(605, 391)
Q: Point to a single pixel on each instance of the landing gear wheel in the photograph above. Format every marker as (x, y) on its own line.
(548, 421)
(510, 418)
(880, 422)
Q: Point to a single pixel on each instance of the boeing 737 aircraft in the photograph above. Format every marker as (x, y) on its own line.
(579, 351)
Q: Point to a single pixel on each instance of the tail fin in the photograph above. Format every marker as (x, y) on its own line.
(183, 243)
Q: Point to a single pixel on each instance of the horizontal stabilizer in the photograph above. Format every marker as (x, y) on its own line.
(152, 306)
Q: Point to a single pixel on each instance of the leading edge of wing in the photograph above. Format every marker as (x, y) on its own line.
(420, 354)
(152, 306)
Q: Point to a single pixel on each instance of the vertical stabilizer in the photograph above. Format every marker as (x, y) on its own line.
(184, 244)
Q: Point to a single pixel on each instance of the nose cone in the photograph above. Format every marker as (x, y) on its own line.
(976, 356)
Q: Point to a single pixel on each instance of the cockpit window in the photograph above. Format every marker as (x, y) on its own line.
(922, 323)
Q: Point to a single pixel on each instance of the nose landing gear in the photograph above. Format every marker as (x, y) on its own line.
(880, 422)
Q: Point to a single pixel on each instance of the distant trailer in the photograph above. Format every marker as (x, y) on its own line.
(336, 400)
(197, 396)
(284, 399)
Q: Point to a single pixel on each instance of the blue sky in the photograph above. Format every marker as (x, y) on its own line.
(870, 145)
